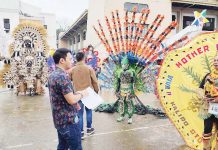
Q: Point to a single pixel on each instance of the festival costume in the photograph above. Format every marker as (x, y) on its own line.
(139, 51)
(125, 90)
(210, 85)
(179, 78)
(27, 67)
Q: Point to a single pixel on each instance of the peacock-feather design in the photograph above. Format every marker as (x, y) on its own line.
(128, 40)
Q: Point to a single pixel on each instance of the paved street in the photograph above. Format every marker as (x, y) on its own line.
(26, 124)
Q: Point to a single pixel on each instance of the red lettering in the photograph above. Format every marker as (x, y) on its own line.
(206, 48)
(194, 54)
(178, 64)
(184, 60)
(189, 56)
(199, 50)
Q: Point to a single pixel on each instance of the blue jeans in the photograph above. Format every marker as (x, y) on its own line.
(69, 137)
(88, 116)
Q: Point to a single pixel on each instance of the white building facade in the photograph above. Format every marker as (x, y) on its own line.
(13, 12)
(75, 37)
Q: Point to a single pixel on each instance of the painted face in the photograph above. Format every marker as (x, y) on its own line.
(125, 63)
(125, 66)
(215, 62)
(28, 44)
(29, 61)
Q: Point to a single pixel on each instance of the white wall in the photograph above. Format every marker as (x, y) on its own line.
(95, 11)
(9, 4)
(14, 19)
(9, 9)
(30, 9)
(50, 21)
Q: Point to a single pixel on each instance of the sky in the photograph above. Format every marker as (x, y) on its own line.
(66, 11)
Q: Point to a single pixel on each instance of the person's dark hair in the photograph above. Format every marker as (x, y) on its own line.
(80, 56)
(90, 46)
(60, 53)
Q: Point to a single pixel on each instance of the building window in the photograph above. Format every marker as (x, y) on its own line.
(78, 38)
(187, 20)
(70, 46)
(84, 35)
(130, 6)
(210, 26)
(7, 25)
(70, 42)
(74, 40)
(173, 17)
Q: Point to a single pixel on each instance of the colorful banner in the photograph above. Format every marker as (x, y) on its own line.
(178, 85)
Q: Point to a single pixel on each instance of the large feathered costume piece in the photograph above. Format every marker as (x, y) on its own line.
(27, 67)
(128, 40)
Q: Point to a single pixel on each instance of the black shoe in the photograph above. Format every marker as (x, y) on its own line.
(82, 136)
(90, 131)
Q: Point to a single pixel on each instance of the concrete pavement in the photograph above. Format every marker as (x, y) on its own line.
(26, 124)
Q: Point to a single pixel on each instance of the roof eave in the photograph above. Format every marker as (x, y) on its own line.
(75, 23)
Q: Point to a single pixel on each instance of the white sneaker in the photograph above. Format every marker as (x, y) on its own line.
(130, 121)
(82, 135)
(120, 119)
(90, 131)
